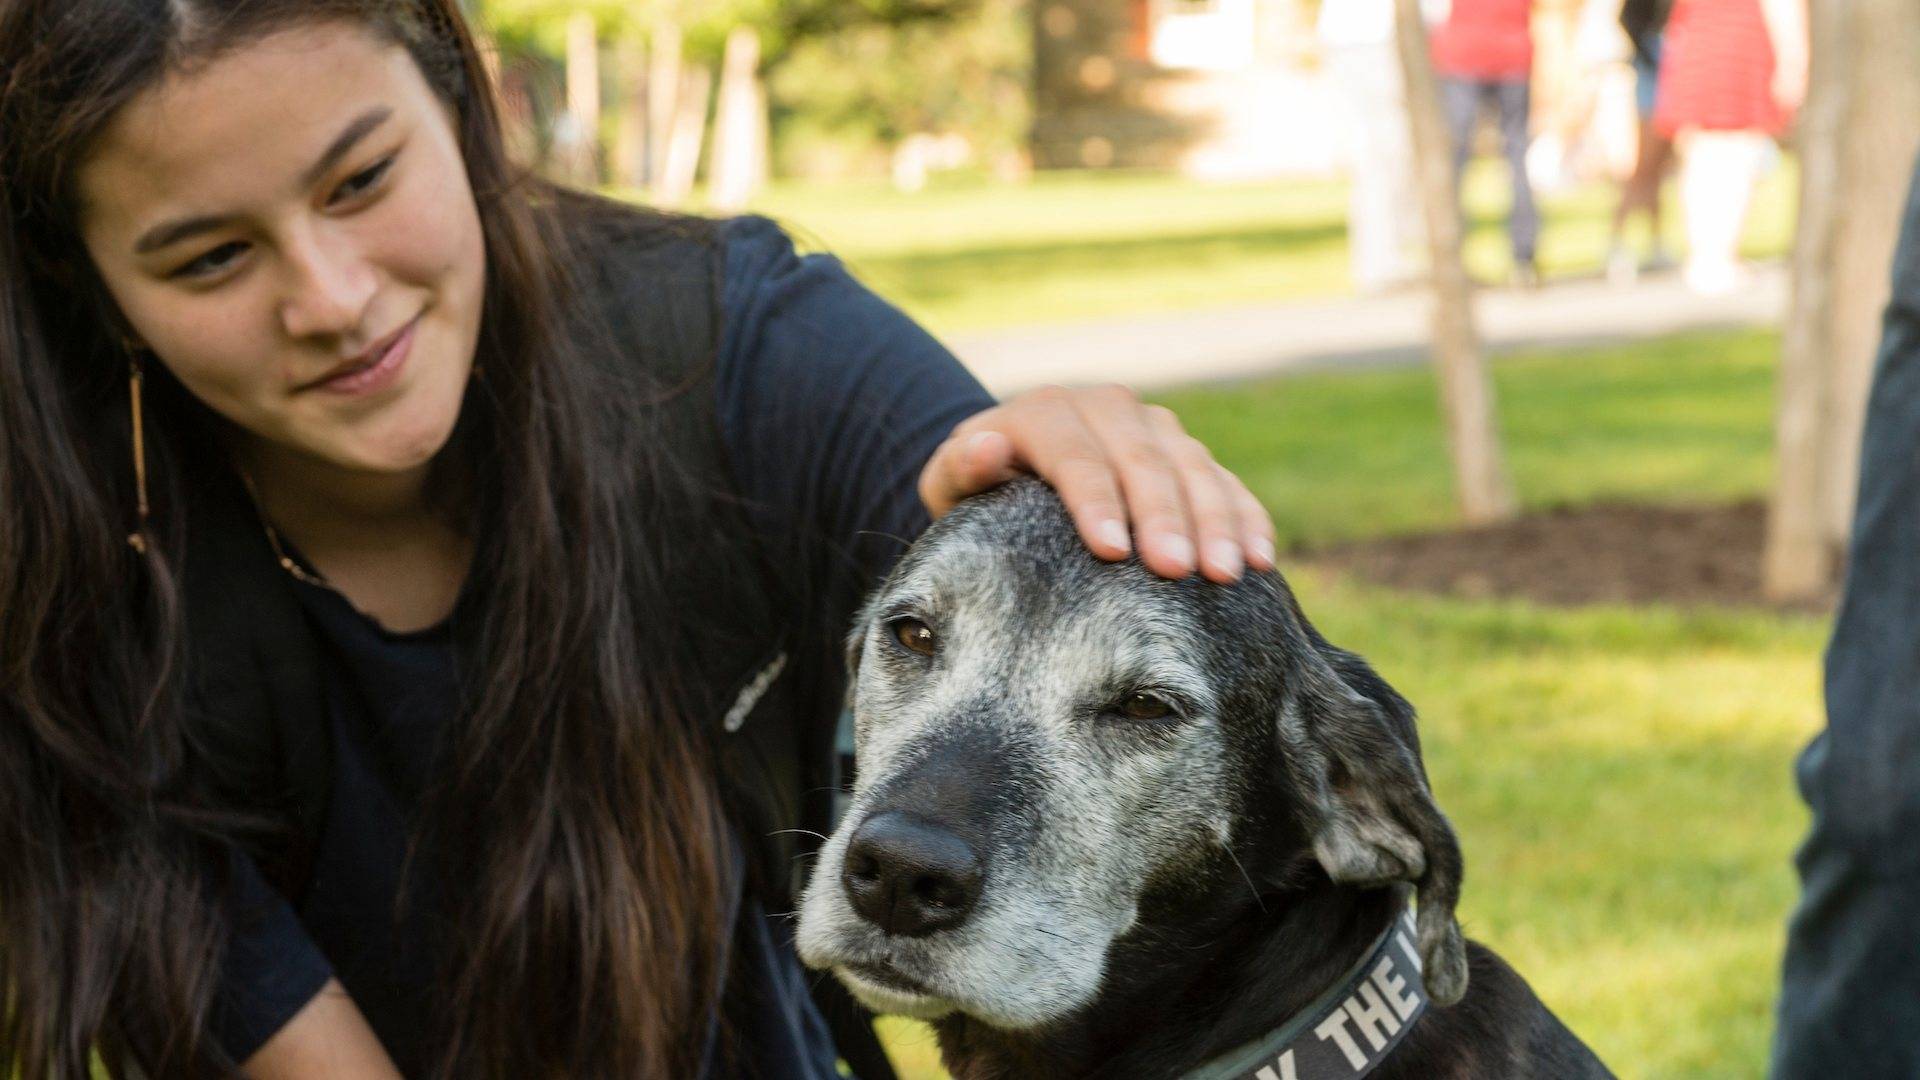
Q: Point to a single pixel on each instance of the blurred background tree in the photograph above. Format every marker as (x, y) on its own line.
(933, 92)
(635, 93)
(1857, 139)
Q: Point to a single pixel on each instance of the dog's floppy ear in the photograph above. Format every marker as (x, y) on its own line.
(1348, 743)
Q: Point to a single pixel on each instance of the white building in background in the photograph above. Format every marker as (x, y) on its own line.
(1213, 88)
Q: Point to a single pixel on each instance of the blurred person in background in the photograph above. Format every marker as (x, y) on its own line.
(1383, 216)
(1483, 57)
(1850, 995)
(1732, 73)
(1645, 23)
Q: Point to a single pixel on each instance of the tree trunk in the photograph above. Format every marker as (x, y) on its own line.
(682, 160)
(1858, 136)
(628, 163)
(580, 149)
(1799, 558)
(738, 166)
(664, 77)
(1466, 389)
(1881, 135)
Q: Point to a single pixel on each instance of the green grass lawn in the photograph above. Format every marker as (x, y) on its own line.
(970, 253)
(1619, 777)
(1344, 455)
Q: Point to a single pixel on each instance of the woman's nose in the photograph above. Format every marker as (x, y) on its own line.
(330, 285)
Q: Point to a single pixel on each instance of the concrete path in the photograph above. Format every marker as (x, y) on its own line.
(1243, 342)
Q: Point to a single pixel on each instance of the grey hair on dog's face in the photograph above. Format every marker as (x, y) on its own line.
(1016, 721)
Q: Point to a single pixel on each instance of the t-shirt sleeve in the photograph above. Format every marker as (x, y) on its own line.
(271, 968)
(830, 401)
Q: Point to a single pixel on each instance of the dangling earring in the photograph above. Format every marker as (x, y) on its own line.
(137, 538)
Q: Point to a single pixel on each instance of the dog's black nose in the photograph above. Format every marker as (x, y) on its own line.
(909, 877)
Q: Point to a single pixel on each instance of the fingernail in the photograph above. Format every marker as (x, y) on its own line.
(1114, 535)
(1224, 557)
(1179, 549)
(1263, 551)
(978, 439)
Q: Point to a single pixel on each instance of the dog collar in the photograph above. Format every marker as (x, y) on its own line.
(1348, 1030)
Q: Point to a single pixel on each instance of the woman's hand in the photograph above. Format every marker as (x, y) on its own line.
(1114, 461)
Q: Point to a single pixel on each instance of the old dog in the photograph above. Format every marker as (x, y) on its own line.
(1107, 824)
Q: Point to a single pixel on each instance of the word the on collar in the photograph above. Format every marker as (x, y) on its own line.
(1348, 1030)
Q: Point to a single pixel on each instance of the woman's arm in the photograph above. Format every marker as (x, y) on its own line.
(833, 402)
(1787, 28)
(327, 1038)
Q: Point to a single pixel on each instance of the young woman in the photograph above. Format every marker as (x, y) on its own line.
(420, 588)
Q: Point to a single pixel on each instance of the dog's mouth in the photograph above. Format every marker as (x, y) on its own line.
(888, 976)
(884, 988)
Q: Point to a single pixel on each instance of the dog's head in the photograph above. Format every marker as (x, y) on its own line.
(1045, 740)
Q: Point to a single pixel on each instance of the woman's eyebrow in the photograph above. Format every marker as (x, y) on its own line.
(175, 231)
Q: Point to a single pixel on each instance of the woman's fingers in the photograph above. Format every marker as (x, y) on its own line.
(1041, 432)
(1150, 477)
(1052, 438)
(1256, 525)
(1212, 509)
(968, 463)
(1127, 473)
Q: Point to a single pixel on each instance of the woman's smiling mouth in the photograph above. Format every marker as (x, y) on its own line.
(366, 377)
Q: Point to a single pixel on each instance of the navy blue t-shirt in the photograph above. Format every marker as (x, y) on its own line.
(829, 401)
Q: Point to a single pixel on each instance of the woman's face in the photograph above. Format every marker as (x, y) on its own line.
(273, 222)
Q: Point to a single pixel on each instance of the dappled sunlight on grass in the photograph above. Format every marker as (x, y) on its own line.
(1620, 782)
(1676, 999)
(911, 1045)
(1351, 454)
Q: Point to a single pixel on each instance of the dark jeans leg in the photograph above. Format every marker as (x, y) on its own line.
(1850, 1000)
(1515, 101)
(1460, 101)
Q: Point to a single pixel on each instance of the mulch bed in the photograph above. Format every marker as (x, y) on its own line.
(1621, 553)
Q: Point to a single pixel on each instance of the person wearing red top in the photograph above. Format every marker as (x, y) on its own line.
(1732, 73)
(1483, 57)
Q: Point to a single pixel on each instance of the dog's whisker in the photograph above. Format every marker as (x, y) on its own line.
(1248, 878)
(885, 535)
(822, 837)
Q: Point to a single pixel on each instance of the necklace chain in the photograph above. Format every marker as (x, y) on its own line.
(273, 540)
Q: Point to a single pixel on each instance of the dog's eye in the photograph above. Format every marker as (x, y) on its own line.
(1145, 706)
(913, 635)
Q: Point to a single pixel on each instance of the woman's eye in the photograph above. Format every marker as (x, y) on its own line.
(913, 636)
(212, 262)
(364, 180)
(1146, 706)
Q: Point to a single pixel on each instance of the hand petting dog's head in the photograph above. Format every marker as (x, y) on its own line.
(1048, 745)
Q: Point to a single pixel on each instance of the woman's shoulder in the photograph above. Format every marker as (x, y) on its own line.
(601, 233)
(611, 233)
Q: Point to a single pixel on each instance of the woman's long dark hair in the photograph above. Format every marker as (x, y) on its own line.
(587, 918)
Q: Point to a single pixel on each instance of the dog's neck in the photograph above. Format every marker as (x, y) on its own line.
(1198, 976)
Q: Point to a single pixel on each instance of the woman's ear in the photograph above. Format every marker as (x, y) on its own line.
(1347, 742)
